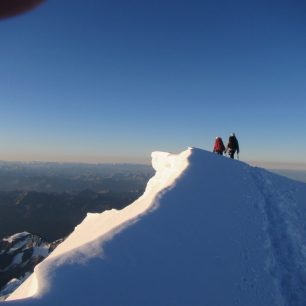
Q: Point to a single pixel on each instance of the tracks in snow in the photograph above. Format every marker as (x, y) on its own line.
(286, 235)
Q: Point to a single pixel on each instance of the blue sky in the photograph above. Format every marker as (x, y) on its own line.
(114, 80)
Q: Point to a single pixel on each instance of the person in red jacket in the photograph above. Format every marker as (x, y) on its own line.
(219, 147)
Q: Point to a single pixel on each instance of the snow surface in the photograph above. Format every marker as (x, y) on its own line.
(17, 259)
(11, 286)
(19, 245)
(42, 250)
(12, 238)
(208, 230)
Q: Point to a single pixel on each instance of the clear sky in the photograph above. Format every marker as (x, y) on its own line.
(113, 80)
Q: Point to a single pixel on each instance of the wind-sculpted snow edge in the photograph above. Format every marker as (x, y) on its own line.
(88, 237)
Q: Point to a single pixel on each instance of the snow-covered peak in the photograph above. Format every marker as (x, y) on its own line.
(15, 237)
(207, 231)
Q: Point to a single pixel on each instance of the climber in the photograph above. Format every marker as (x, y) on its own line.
(219, 147)
(232, 146)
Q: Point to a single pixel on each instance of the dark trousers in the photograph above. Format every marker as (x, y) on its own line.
(231, 153)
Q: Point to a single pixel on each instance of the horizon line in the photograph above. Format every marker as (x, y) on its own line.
(145, 161)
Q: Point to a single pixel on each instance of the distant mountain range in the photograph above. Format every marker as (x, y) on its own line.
(48, 200)
(71, 177)
(54, 215)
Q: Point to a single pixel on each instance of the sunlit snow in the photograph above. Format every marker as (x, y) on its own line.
(207, 231)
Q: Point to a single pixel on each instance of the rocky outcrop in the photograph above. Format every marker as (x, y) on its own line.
(19, 254)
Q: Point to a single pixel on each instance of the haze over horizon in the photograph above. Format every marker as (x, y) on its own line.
(109, 81)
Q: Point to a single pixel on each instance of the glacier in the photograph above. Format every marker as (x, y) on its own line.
(208, 230)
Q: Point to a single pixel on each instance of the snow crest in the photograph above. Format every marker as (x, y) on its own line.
(208, 230)
(87, 238)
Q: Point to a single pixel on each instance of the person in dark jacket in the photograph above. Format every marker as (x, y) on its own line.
(232, 146)
(219, 147)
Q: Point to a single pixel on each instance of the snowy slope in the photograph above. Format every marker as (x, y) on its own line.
(207, 231)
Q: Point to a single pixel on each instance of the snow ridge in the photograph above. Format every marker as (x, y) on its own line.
(88, 237)
(208, 230)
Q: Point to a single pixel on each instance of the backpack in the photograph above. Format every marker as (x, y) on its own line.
(219, 146)
(232, 143)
